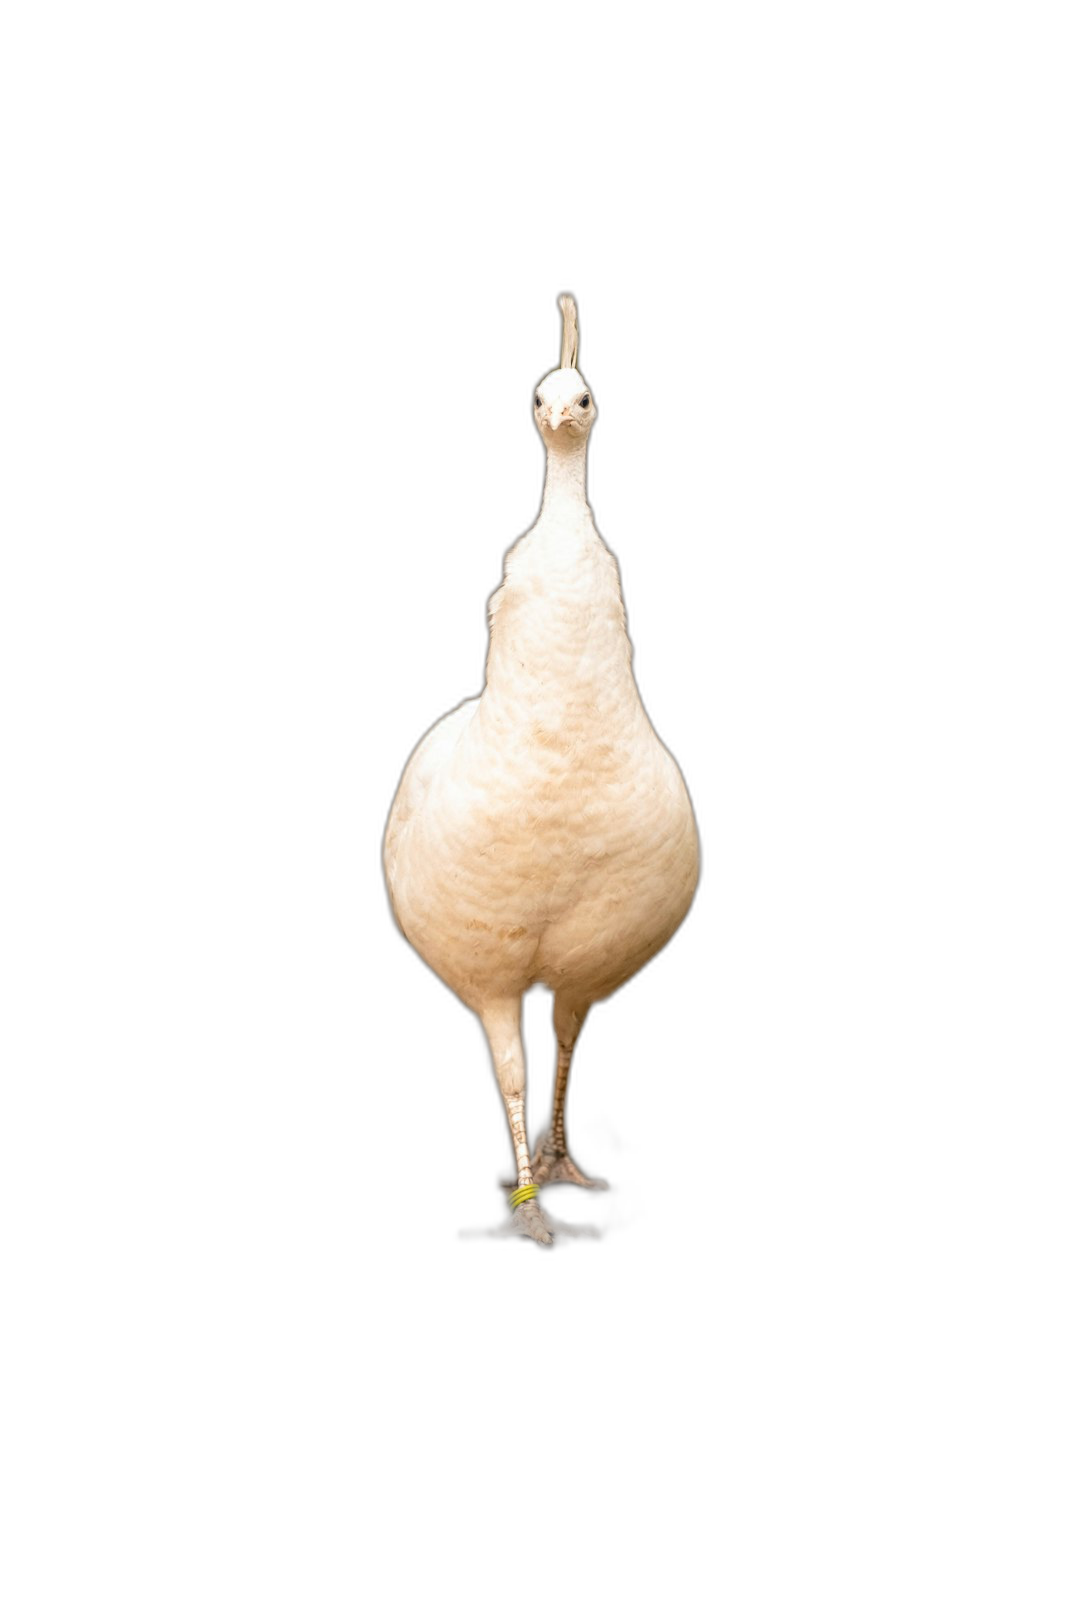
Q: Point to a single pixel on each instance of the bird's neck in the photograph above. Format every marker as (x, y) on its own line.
(558, 628)
(564, 481)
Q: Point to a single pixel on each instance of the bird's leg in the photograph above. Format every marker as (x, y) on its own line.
(502, 1025)
(551, 1152)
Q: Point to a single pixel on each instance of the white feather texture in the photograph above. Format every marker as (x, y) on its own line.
(542, 833)
(569, 332)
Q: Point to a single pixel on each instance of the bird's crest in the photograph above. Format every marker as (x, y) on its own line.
(568, 355)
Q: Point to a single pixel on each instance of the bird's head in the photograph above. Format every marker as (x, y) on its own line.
(564, 407)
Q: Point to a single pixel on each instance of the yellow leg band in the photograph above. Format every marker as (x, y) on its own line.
(521, 1195)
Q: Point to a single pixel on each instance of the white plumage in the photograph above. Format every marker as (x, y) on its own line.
(541, 833)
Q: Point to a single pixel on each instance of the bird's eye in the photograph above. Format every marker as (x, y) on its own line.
(584, 402)
(538, 401)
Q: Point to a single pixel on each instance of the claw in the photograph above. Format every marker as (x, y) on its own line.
(552, 1167)
(535, 1223)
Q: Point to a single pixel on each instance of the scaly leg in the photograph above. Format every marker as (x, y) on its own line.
(552, 1163)
(502, 1025)
(551, 1154)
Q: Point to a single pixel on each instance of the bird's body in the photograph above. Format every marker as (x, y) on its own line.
(542, 833)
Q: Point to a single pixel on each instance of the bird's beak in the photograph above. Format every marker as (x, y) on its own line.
(555, 418)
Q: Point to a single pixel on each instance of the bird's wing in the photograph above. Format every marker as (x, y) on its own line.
(425, 763)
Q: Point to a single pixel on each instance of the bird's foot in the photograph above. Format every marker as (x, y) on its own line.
(538, 1225)
(554, 1167)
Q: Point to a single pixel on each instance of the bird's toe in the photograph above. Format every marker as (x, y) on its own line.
(533, 1223)
(554, 1164)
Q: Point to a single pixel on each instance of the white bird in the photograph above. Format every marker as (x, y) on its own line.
(542, 833)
